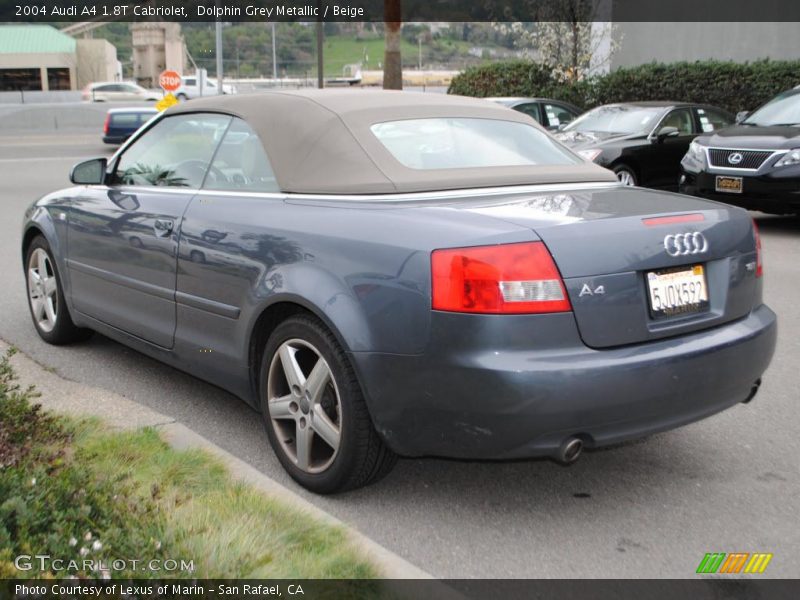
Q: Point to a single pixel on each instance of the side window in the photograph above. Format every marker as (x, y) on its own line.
(531, 109)
(711, 120)
(558, 115)
(241, 163)
(681, 118)
(175, 152)
(190, 81)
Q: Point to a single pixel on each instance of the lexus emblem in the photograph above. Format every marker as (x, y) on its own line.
(735, 158)
(683, 244)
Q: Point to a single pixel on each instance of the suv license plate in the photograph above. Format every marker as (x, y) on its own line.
(728, 185)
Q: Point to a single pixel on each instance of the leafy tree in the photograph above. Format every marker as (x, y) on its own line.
(566, 35)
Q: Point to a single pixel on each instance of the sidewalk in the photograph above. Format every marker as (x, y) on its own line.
(68, 397)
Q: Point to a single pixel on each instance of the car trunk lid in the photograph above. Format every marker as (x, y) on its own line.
(613, 245)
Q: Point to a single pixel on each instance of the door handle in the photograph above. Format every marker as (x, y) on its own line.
(163, 227)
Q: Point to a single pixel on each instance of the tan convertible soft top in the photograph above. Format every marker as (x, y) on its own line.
(319, 141)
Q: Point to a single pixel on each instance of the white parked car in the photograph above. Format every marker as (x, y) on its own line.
(118, 91)
(190, 88)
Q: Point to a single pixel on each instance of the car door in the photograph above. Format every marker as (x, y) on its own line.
(104, 93)
(665, 152)
(129, 92)
(712, 119)
(115, 92)
(189, 87)
(557, 115)
(226, 249)
(123, 236)
(531, 109)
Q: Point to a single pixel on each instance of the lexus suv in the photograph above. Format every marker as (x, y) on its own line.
(754, 164)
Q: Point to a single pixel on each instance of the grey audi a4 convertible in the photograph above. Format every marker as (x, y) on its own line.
(384, 274)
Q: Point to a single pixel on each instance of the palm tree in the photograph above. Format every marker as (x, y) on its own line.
(392, 66)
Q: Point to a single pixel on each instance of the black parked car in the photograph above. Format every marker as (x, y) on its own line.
(755, 164)
(550, 114)
(121, 123)
(642, 142)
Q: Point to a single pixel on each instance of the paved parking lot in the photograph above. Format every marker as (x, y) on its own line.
(648, 509)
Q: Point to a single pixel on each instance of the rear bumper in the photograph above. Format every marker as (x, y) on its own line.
(116, 139)
(497, 390)
(764, 193)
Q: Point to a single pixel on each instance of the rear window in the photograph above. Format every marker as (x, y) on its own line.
(125, 119)
(464, 143)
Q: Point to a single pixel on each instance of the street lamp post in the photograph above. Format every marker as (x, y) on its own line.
(274, 57)
(218, 39)
(320, 62)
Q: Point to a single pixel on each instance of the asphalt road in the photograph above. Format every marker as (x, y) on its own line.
(649, 509)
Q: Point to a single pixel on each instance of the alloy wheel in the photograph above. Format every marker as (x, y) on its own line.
(304, 406)
(43, 290)
(626, 178)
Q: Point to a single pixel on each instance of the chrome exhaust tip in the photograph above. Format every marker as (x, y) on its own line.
(569, 451)
(753, 391)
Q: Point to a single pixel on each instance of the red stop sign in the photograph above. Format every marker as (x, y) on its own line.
(169, 81)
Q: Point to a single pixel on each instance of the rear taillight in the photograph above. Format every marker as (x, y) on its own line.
(759, 260)
(503, 279)
(107, 123)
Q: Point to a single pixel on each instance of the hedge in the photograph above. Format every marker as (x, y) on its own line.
(729, 85)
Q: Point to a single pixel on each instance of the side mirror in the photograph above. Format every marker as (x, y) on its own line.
(89, 172)
(742, 115)
(667, 132)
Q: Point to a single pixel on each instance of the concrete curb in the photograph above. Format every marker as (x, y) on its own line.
(69, 397)
(390, 564)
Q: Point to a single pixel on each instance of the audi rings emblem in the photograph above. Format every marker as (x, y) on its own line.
(735, 158)
(684, 244)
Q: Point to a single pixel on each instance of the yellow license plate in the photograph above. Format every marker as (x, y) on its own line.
(729, 185)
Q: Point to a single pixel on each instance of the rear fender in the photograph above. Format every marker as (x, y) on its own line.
(320, 293)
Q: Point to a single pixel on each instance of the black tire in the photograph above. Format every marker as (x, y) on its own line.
(362, 458)
(182, 97)
(64, 331)
(626, 174)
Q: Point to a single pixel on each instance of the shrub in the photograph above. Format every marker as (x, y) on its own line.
(729, 85)
(51, 501)
(517, 78)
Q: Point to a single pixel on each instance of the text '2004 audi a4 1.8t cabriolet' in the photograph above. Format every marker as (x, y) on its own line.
(384, 274)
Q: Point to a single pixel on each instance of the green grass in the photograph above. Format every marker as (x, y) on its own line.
(339, 51)
(75, 490)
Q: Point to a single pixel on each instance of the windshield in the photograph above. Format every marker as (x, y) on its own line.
(463, 143)
(783, 109)
(616, 119)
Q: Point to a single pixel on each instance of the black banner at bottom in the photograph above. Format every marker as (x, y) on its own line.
(702, 588)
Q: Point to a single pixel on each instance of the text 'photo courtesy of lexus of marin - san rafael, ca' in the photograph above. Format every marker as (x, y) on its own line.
(388, 274)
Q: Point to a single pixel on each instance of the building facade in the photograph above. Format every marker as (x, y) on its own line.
(41, 58)
(157, 45)
(639, 43)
